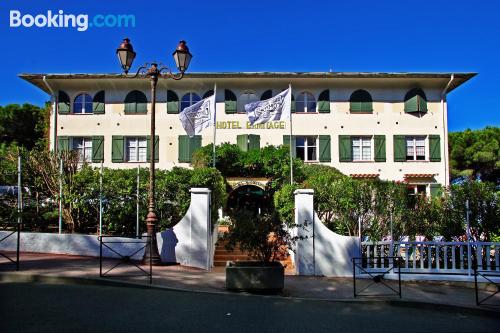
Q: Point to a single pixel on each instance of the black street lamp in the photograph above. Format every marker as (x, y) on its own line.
(126, 56)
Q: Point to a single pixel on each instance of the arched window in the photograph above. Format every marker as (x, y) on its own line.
(98, 106)
(415, 101)
(208, 93)
(266, 95)
(229, 101)
(172, 102)
(63, 102)
(82, 104)
(324, 101)
(245, 98)
(305, 102)
(361, 101)
(189, 99)
(136, 102)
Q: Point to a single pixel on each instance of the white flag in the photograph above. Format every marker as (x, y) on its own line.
(272, 109)
(198, 116)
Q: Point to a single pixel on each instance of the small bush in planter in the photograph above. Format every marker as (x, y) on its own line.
(264, 237)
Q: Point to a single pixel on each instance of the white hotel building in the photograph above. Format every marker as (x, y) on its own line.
(387, 125)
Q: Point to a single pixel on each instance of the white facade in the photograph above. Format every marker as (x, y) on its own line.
(388, 118)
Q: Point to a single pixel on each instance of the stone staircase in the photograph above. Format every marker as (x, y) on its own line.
(222, 255)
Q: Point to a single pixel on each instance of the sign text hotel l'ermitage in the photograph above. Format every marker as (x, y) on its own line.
(247, 125)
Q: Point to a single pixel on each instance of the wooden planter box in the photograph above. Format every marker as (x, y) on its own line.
(255, 276)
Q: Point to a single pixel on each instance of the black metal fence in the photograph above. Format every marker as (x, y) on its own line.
(106, 242)
(486, 277)
(372, 275)
(12, 228)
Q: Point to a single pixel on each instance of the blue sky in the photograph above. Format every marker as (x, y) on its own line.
(399, 35)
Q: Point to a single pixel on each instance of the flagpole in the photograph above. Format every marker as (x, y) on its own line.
(291, 149)
(215, 122)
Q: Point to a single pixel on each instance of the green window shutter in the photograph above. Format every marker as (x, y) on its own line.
(130, 107)
(187, 146)
(325, 148)
(345, 151)
(97, 149)
(98, 103)
(230, 102)
(184, 156)
(422, 104)
(286, 142)
(324, 106)
(117, 149)
(379, 148)
(324, 102)
(141, 107)
(63, 103)
(366, 107)
(63, 143)
(436, 190)
(242, 142)
(292, 106)
(361, 101)
(355, 106)
(194, 144)
(230, 106)
(172, 102)
(411, 104)
(157, 148)
(435, 148)
(253, 142)
(399, 148)
(173, 107)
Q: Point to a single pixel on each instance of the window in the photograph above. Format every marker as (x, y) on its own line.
(305, 103)
(266, 95)
(416, 191)
(361, 102)
(245, 98)
(229, 101)
(84, 148)
(415, 148)
(189, 99)
(362, 148)
(415, 101)
(208, 93)
(305, 148)
(82, 104)
(136, 149)
(136, 102)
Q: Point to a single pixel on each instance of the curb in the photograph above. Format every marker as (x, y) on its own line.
(16, 277)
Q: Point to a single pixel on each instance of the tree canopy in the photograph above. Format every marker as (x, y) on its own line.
(475, 154)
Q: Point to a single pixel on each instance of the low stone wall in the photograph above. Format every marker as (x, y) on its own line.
(72, 244)
(188, 243)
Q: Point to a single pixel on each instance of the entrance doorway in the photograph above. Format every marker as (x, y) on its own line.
(250, 198)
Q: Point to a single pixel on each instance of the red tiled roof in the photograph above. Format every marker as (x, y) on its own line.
(419, 175)
(364, 175)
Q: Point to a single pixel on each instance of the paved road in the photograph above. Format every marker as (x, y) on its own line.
(27, 307)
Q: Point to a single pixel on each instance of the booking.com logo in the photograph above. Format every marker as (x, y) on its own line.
(61, 20)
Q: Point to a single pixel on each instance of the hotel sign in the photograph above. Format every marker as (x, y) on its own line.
(247, 125)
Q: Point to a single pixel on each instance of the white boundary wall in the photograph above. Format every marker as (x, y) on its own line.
(322, 252)
(188, 243)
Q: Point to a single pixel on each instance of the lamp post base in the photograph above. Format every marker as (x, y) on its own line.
(151, 253)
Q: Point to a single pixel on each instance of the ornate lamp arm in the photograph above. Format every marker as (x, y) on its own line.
(169, 73)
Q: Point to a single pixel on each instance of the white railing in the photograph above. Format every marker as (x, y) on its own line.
(434, 257)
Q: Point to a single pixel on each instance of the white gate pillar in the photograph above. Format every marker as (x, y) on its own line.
(189, 242)
(304, 213)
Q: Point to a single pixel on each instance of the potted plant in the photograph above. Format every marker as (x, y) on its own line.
(265, 238)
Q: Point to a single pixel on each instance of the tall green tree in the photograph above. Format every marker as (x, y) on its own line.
(24, 125)
(476, 154)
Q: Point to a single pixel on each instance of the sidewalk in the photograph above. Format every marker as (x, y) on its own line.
(185, 278)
